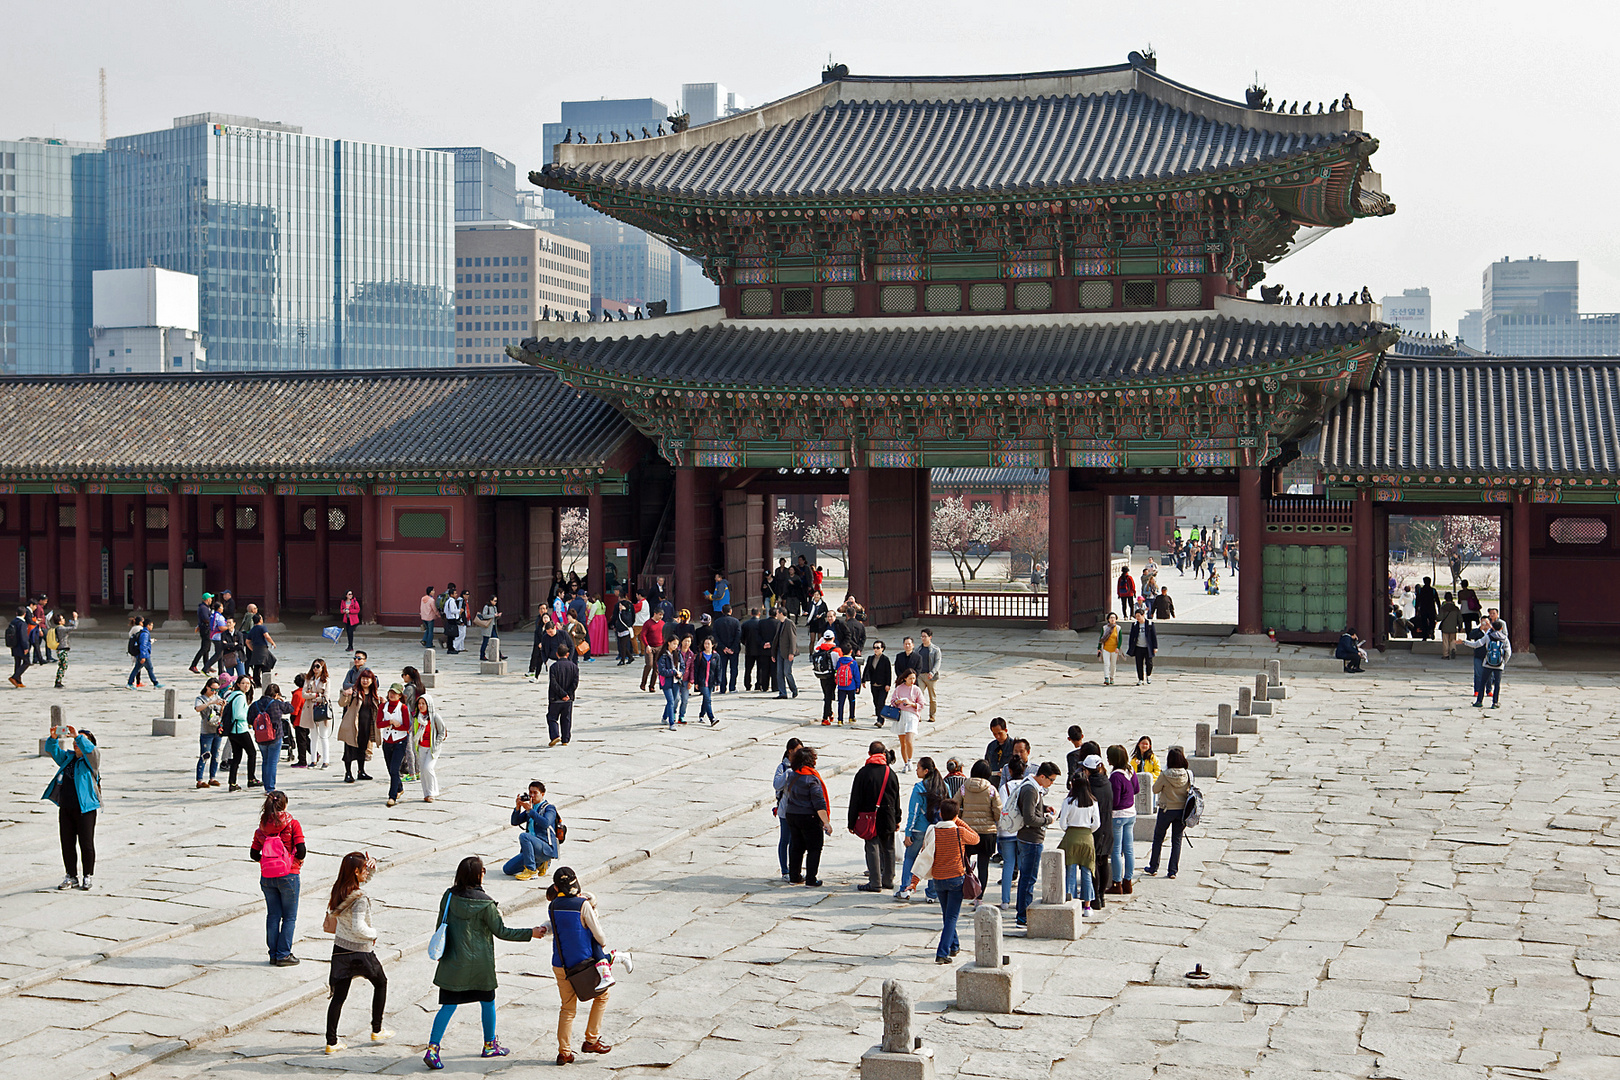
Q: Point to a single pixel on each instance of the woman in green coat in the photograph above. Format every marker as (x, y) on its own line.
(467, 969)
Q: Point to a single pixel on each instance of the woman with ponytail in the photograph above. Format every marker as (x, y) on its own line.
(354, 955)
(278, 848)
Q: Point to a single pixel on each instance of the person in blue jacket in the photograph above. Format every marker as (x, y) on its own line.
(921, 811)
(847, 676)
(576, 939)
(143, 655)
(76, 791)
(537, 843)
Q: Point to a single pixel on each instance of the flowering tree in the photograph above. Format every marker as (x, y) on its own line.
(967, 533)
(1456, 542)
(1025, 526)
(831, 530)
(787, 525)
(576, 537)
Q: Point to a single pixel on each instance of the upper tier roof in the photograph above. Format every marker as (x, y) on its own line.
(864, 136)
(363, 421)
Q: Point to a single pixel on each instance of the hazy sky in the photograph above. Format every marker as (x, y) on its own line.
(1497, 120)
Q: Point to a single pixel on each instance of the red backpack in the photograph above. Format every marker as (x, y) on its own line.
(846, 672)
(263, 722)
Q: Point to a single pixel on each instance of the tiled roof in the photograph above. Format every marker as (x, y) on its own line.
(986, 478)
(906, 137)
(435, 420)
(995, 353)
(1481, 416)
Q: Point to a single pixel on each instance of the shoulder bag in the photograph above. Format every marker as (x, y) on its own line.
(441, 932)
(866, 826)
(972, 888)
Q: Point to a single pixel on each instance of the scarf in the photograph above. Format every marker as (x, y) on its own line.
(825, 796)
(878, 759)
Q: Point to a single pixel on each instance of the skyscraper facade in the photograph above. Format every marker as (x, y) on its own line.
(53, 236)
(486, 185)
(507, 275)
(1410, 311)
(627, 265)
(312, 252)
(1532, 308)
(706, 102)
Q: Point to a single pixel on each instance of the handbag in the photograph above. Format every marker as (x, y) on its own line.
(440, 933)
(323, 712)
(584, 978)
(890, 712)
(866, 826)
(329, 924)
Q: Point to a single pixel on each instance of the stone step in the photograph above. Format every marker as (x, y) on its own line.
(1223, 744)
(1205, 766)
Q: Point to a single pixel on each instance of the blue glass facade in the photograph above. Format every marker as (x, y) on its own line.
(486, 185)
(53, 233)
(312, 252)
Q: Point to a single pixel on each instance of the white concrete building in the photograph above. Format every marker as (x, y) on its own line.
(145, 320)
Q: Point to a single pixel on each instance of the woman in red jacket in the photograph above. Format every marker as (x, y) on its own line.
(278, 848)
(349, 617)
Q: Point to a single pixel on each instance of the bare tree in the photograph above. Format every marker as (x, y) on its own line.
(1457, 542)
(831, 530)
(1026, 527)
(967, 533)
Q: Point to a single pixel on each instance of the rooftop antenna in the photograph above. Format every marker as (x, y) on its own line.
(103, 105)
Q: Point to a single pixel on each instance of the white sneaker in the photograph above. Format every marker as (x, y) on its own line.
(69, 882)
(332, 1048)
(905, 766)
(1150, 680)
(85, 884)
(381, 1036)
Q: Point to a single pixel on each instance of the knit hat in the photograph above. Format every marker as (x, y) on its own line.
(707, 620)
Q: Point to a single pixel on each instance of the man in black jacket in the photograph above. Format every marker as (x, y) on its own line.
(728, 644)
(560, 699)
(784, 647)
(876, 787)
(1000, 750)
(753, 651)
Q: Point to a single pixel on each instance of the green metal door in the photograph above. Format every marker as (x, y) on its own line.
(1304, 587)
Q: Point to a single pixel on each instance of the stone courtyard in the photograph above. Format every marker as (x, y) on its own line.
(1387, 883)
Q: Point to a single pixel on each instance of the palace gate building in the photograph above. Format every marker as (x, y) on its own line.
(1049, 272)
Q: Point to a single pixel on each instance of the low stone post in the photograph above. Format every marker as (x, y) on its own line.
(1143, 830)
(169, 723)
(1245, 701)
(1055, 916)
(430, 674)
(1223, 719)
(901, 1056)
(1260, 706)
(1224, 741)
(1275, 690)
(991, 983)
(1202, 762)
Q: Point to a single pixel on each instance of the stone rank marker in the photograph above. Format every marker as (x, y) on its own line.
(430, 675)
(169, 722)
(1054, 916)
(989, 984)
(900, 1056)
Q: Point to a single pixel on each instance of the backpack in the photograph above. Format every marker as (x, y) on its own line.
(1193, 810)
(846, 673)
(135, 646)
(821, 662)
(274, 858)
(1494, 652)
(50, 638)
(13, 636)
(1011, 819)
(262, 722)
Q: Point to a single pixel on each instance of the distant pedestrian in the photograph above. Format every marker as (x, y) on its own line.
(1077, 817)
(140, 647)
(1110, 643)
(1143, 761)
(942, 858)
(1144, 646)
(205, 634)
(316, 714)
(1170, 789)
(354, 948)
(210, 710)
(358, 729)
(706, 675)
(1495, 651)
(784, 770)
(981, 811)
(429, 614)
(237, 701)
(489, 623)
(928, 670)
(76, 791)
(922, 810)
(278, 848)
(1163, 606)
(466, 970)
(847, 676)
(824, 658)
(785, 646)
(578, 944)
(428, 731)
(561, 690)
(62, 630)
(349, 617)
(1125, 589)
(1126, 785)
(652, 640)
(394, 732)
(17, 642)
(808, 811)
(908, 699)
(267, 721)
(1033, 817)
(876, 791)
(1451, 624)
(878, 677)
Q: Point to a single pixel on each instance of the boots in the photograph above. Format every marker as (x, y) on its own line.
(1126, 885)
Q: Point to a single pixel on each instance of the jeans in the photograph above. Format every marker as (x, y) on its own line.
(683, 695)
(1167, 820)
(846, 694)
(880, 862)
(1077, 882)
(1491, 685)
(486, 1013)
(483, 646)
(394, 756)
(784, 677)
(135, 672)
(950, 906)
(1123, 859)
(281, 913)
(269, 759)
(1008, 847)
(532, 851)
(427, 634)
(671, 696)
(208, 753)
(1479, 674)
(707, 706)
(905, 868)
(782, 844)
(728, 673)
(1029, 867)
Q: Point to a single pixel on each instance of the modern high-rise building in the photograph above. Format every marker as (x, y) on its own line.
(707, 101)
(1471, 328)
(1531, 287)
(628, 266)
(312, 252)
(1410, 311)
(1532, 308)
(486, 185)
(145, 321)
(53, 236)
(507, 275)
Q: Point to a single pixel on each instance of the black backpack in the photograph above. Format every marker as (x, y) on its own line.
(13, 635)
(821, 661)
(135, 646)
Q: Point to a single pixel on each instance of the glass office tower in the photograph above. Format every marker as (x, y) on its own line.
(53, 235)
(312, 252)
(486, 185)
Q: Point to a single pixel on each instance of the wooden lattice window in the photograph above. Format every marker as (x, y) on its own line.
(987, 297)
(1034, 295)
(838, 301)
(1096, 294)
(1581, 530)
(1184, 292)
(797, 302)
(940, 298)
(898, 299)
(422, 525)
(1141, 294)
(756, 303)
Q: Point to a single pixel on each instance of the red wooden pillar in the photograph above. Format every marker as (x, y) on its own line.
(137, 533)
(1519, 573)
(469, 548)
(370, 601)
(1058, 569)
(82, 589)
(228, 516)
(596, 531)
(860, 534)
(270, 524)
(1366, 583)
(176, 536)
(323, 564)
(923, 537)
(53, 548)
(684, 588)
(1251, 559)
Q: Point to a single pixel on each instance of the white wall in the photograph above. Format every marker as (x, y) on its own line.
(144, 296)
